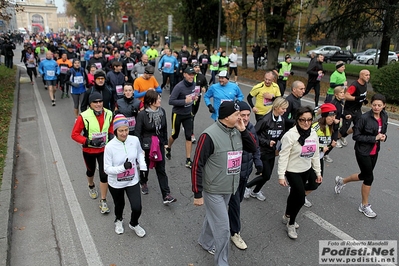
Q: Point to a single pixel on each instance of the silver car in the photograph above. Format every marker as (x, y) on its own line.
(326, 49)
(367, 52)
(369, 58)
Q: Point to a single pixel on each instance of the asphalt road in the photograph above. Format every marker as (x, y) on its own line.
(56, 223)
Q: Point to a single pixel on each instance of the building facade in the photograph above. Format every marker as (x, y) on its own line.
(38, 16)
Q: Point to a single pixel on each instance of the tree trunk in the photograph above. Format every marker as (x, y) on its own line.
(387, 30)
(244, 39)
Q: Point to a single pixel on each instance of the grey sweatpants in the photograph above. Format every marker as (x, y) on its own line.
(216, 229)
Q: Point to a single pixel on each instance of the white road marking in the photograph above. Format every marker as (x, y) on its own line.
(334, 230)
(87, 242)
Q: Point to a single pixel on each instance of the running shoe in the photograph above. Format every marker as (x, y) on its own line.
(62, 95)
(259, 195)
(168, 153)
(168, 199)
(52, 103)
(366, 210)
(144, 189)
(343, 141)
(339, 144)
(119, 227)
(193, 139)
(238, 241)
(286, 220)
(211, 251)
(339, 184)
(291, 231)
(188, 163)
(93, 193)
(307, 203)
(104, 207)
(67, 95)
(328, 159)
(140, 232)
(247, 193)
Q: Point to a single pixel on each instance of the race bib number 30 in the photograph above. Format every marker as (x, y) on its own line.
(234, 162)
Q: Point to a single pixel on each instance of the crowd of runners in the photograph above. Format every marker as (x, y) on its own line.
(123, 128)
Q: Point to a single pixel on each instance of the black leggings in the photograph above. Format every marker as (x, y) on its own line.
(90, 161)
(316, 87)
(366, 165)
(260, 181)
(160, 171)
(296, 198)
(186, 121)
(134, 196)
(171, 80)
(31, 70)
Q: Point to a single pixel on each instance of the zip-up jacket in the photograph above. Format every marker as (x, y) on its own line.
(168, 64)
(249, 158)
(217, 161)
(178, 97)
(49, 69)
(365, 131)
(269, 128)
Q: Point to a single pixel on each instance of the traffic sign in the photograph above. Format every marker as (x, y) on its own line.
(125, 19)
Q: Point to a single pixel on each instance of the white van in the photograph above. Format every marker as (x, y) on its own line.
(22, 30)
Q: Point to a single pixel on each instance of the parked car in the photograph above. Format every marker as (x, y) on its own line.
(324, 50)
(369, 59)
(345, 56)
(368, 51)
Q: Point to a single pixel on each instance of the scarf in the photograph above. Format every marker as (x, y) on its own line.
(303, 134)
(155, 117)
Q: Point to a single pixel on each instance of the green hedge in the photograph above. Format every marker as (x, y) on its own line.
(386, 81)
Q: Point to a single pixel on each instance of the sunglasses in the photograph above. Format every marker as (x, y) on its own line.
(303, 120)
(99, 101)
(100, 78)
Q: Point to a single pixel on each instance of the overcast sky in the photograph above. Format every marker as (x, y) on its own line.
(60, 6)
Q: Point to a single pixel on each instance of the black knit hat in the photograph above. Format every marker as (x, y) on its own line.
(228, 108)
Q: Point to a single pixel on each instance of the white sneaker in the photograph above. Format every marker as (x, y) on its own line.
(140, 232)
(339, 184)
(259, 195)
(328, 159)
(119, 227)
(291, 231)
(307, 203)
(343, 141)
(286, 220)
(366, 210)
(237, 240)
(339, 144)
(247, 193)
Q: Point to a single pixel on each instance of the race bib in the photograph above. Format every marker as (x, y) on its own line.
(197, 90)
(319, 77)
(132, 123)
(204, 61)
(267, 102)
(167, 65)
(184, 60)
(64, 69)
(215, 64)
(127, 175)
(107, 56)
(129, 66)
(50, 73)
(102, 136)
(122, 53)
(234, 162)
(308, 149)
(119, 89)
(98, 65)
(78, 79)
(287, 73)
(194, 61)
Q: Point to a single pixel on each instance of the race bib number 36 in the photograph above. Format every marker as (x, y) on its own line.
(234, 162)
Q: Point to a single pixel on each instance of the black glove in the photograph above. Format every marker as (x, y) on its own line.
(211, 109)
(292, 73)
(127, 164)
(134, 111)
(365, 102)
(95, 142)
(360, 98)
(259, 169)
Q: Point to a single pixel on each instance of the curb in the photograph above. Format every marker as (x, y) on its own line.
(7, 186)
